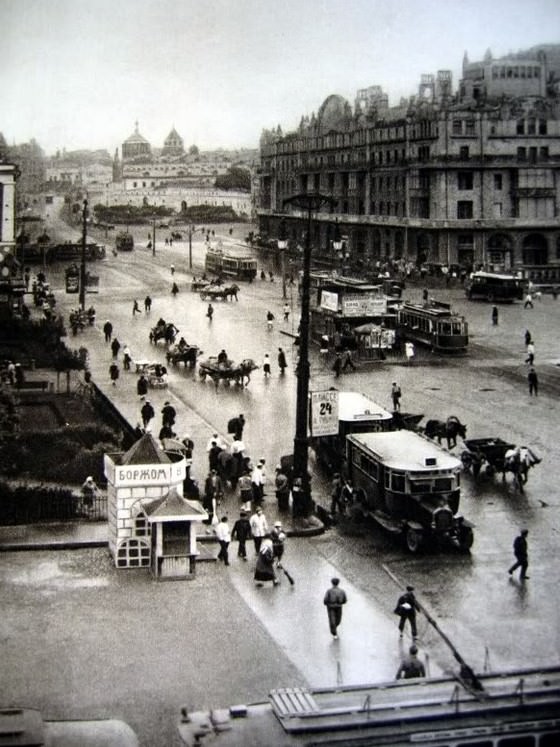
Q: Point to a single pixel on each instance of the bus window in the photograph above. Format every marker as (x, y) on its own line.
(481, 743)
(420, 486)
(397, 482)
(443, 485)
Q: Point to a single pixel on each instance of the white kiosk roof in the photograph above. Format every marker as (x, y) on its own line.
(406, 450)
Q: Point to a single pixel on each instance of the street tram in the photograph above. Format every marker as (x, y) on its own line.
(238, 266)
(433, 324)
(410, 486)
(357, 413)
(124, 242)
(517, 708)
(493, 286)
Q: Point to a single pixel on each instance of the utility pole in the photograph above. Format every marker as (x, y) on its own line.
(83, 262)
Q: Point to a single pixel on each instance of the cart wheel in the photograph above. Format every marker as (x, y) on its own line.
(202, 375)
(413, 540)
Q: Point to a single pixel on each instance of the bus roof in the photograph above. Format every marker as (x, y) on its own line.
(354, 406)
(406, 450)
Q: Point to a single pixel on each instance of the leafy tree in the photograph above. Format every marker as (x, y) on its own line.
(193, 151)
(235, 178)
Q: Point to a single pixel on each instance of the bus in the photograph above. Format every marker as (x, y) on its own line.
(124, 242)
(239, 266)
(434, 324)
(357, 413)
(514, 708)
(493, 286)
(410, 486)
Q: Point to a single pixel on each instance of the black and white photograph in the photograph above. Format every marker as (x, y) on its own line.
(279, 373)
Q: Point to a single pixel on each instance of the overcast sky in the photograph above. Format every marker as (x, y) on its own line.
(78, 73)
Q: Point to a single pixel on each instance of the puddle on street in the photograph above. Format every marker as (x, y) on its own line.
(50, 573)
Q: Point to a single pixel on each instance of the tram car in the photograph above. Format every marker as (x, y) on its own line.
(433, 324)
(124, 242)
(410, 487)
(239, 266)
(517, 708)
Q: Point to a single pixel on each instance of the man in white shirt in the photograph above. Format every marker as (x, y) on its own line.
(224, 538)
(259, 528)
(258, 479)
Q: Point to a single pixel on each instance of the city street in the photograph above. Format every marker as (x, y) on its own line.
(140, 650)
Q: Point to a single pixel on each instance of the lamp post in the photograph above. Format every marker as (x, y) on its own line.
(282, 246)
(311, 202)
(337, 240)
(190, 246)
(83, 262)
(153, 237)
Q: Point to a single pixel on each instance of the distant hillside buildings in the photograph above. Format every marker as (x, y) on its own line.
(458, 178)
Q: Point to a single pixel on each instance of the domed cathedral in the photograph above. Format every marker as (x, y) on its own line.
(173, 145)
(136, 147)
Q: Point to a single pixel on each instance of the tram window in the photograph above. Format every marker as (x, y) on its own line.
(549, 740)
(445, 328)
(525, 740)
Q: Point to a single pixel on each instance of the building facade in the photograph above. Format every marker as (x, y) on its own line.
(466, 179)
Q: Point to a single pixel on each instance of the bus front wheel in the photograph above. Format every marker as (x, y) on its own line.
(413, 539)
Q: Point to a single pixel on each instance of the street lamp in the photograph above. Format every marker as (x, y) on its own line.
(312, 202)
(282, 246)
(83, 262)
(190, 246)
(153, 237)
(337, 240)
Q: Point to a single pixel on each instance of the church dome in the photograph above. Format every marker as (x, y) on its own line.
(173, 144)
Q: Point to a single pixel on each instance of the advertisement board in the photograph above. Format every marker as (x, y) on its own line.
(324, 413)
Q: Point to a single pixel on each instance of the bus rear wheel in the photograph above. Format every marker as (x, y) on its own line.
(413, 539)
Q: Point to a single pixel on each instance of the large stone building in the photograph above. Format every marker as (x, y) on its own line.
(464, 178)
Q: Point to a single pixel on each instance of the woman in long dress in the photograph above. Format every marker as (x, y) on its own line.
(264, 570)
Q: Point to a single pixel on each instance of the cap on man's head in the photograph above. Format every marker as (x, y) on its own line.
(413, 649)
(410, 588)
(335, 581)
(277, 523)
(524, 531)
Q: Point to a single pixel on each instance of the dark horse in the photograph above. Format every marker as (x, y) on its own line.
(449, 429)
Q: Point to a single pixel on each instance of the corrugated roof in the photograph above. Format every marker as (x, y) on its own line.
(174, 507)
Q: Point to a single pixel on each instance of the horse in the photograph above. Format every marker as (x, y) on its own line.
(519, 461)
(230, 292)
(449, 429)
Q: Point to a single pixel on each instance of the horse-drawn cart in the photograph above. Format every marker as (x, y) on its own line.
(496, 455)
(219, 292)
(228, 371)
(186, 354)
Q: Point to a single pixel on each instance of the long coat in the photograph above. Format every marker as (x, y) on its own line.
(264, 570)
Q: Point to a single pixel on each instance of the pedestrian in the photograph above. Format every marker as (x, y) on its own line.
(269, 319)
(142, 386)
(286, 312)
(257, 481)
(241, 532)
(530, 359)
(245, 490)
(174, 289)
(147, 304)
(213, 493)
(168, 414)
(172, 269)
(409, 351)
(411, 666)
(213, 456)
(147, 413)
(528, 338)
(271, 276)
(282, 363)
(425, 296)
(114, 373)
(337, 365)
(334, 599)
(521, 552)
(165, 432)
(238, 426)
(259, 528)
(264, 570)
(348, 362)
(533, 380)
(224, 538)
(108, 331)
(135, 308)
(115, 347)
(89, 491)
(210, 311)
(282, 485)
(278, 537)
(336, 494)
(266, 365)
(495, 316)
(11, 371)
(406, 610)
(396, 396)
(127, 358)
(19, 375)
(215, 437)
(528, 300)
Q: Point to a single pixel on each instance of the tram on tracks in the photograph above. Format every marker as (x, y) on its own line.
(516, 708)
(434, 324)
(223, 262)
